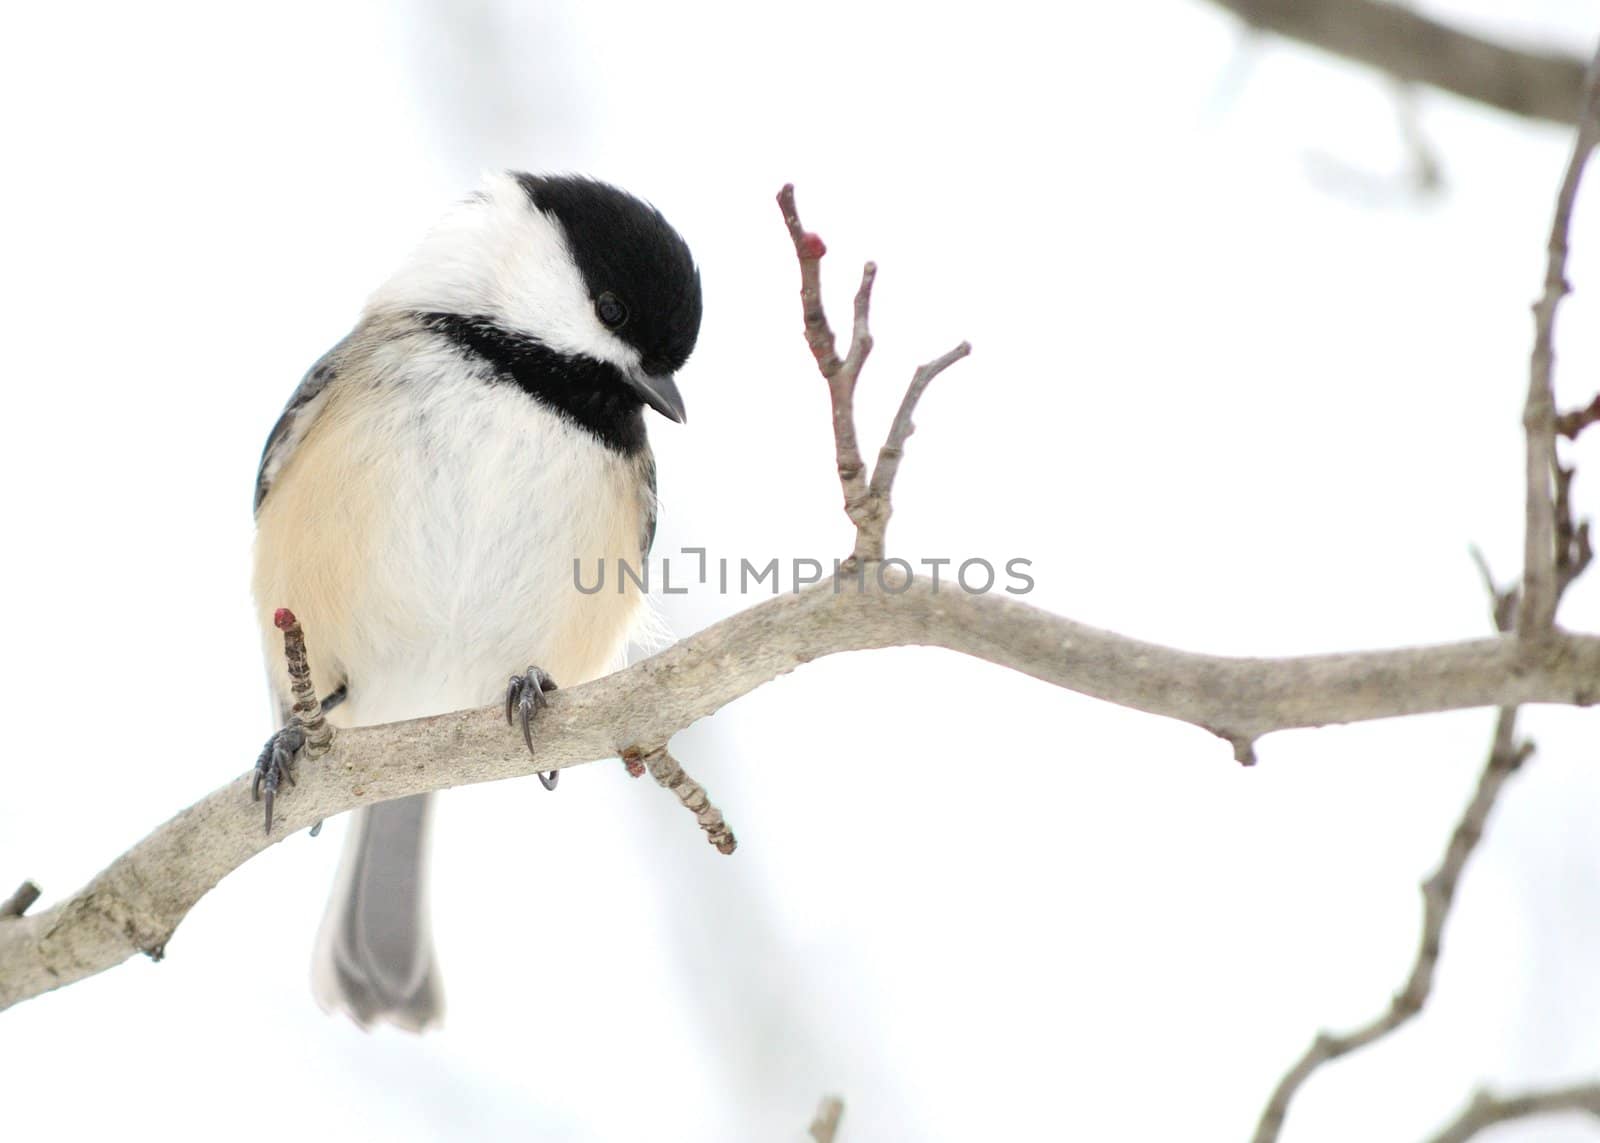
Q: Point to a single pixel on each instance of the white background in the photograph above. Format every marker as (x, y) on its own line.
(1237, 387)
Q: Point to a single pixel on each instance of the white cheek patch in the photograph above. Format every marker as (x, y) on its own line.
(497, 256)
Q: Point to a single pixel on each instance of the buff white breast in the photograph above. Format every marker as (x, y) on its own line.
(454, 509)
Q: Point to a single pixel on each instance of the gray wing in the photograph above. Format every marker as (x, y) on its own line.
(296, 418)
(647, 531)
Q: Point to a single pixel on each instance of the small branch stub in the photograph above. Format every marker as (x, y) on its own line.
(664, 768)
(20, 901)
(1572, 424)
(825, 1124)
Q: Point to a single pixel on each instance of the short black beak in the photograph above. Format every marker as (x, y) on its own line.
(660, 393)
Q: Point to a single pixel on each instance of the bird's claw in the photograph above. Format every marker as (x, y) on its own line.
(276, 765)
(525, 697)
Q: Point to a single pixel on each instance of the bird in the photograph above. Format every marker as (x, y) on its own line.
(427, 495)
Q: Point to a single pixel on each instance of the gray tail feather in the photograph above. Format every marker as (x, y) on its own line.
(374, 957)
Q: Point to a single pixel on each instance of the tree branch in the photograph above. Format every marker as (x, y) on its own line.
(1557, 552)
(1438, 895)
(1486, 1111)
(1543, 558)
(1414, 48)
(137, 902)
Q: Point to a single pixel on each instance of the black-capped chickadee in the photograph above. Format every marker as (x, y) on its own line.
(422, 499)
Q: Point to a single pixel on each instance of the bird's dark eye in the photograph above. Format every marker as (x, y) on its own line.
(610, 310)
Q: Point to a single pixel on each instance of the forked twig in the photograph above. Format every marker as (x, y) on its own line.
(867, 504)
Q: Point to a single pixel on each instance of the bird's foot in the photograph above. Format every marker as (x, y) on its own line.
(276, 765)
(525, 697)
(278, 757)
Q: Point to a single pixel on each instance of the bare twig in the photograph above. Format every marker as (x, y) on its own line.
(840, 374)
(664, 768)
(1485, 1110)
(1438, 894)
(1557, 552)
(1541, 556)
(867, 505)
(1412, 47)
(1502, 601)
(894, 445)
(825, 1124)
(307, 709)
(20, 901)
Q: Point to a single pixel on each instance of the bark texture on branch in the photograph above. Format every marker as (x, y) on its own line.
(1538, 84)
(137, 902)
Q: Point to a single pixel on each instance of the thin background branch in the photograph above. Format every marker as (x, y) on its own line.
(1411, 47)
(825, 1124)
(1557, 551)
(1542, 558)
(1486, 1111)
(1438, 895)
